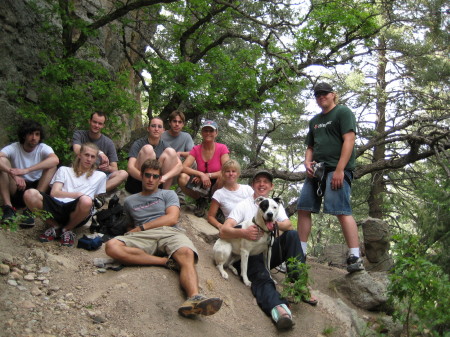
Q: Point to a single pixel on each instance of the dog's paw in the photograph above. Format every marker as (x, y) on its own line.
(234, 270)
(247, 283)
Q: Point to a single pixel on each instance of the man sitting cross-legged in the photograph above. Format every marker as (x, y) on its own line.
(155, 239)
(70, 200)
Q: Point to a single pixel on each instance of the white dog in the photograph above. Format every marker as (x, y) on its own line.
(227, 251)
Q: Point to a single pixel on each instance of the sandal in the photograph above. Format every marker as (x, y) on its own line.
(283, 321)
(311, 300)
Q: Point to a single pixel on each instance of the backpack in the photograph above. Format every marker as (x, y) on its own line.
(111, 221)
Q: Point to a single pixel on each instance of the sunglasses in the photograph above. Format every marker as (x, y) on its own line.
(320, 93)
(151, 175)
(159, 126)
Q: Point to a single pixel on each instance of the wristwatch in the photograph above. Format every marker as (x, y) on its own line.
(142, 228)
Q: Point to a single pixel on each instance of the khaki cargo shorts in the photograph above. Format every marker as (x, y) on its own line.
(159, 241)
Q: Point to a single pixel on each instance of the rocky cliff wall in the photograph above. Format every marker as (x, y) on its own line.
(23, 40)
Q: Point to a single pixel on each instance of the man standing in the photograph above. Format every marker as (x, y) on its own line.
(288, 244)
(71, 197)
(330, 140)
(26, 164)
(176, 138)
(152, 147)
(107, 156)
(155, 239)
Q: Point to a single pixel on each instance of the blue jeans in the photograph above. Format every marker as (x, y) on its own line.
(336, 202)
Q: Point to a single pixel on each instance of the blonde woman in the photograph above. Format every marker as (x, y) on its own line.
(230, 194)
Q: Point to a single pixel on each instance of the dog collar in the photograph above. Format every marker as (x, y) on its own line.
(254, 222)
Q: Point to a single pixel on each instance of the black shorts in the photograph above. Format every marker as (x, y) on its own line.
(17, 198)
(134, 186)
(61, 210)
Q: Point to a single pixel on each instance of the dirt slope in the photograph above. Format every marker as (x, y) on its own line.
(66, 295)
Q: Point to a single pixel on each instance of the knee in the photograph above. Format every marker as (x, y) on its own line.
(170, 153)
(183, 179)
(112, 248)
(123, 175)
(147, 151)
(85, 203)
(184, 255)
(31, 195)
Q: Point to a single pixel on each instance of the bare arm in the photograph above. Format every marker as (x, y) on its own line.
(285, 225)
(346, 152)
(309, 161)
(212, 212)
(51, 161)
(132, 169)
(169, 219)
(227, 231)
(57, 192)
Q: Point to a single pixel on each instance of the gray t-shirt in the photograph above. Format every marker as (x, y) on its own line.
(181, 143)
(139, 143)
(104, 143)
(141, 209)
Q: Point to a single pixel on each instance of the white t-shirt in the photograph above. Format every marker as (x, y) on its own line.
(22, 159)
(91, 186)
(229, 199)
(247, 208)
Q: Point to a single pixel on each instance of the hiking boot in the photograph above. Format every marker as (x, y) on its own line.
(49, 235)
(67, 238)
(27, 220)
(200, 207)
(354, 263)
(8, 213)
(200, 305)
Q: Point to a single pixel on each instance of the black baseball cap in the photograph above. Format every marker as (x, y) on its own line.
(323, 87)
(263, 173)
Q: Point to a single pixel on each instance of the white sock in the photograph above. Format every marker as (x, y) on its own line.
(304, 246)
(355, 251)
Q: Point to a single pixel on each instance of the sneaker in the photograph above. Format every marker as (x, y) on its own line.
(354, 263)
(282, 321)
(200, 207)
(99, 201)
(49, 235)
(282, 268)
(27, 220)
(67, 238)
(200, 305)
(8, 212)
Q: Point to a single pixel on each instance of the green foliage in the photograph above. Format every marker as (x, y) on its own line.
(328, 331)
(295, 284)
(419, 290)
(13, 222)
(69, 91)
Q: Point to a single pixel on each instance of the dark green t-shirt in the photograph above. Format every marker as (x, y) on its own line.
(325, 135)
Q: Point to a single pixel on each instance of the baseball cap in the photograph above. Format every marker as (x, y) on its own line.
(264, 173)
(323, 87)
(209, 123)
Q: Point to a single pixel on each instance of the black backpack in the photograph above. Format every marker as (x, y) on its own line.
(111, 221)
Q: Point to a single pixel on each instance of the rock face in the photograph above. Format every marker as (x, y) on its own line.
(376, 243)
(24, 40)
(363, 289)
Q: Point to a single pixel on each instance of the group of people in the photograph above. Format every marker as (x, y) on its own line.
(28, 170)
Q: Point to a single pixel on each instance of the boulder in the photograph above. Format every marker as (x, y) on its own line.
(364, 290)
(376, 243)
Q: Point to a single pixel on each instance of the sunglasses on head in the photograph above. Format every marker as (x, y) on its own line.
(151, 175)
(159, 126)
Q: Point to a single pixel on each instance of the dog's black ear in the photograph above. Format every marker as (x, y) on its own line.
(278, 200)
